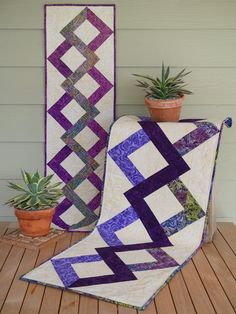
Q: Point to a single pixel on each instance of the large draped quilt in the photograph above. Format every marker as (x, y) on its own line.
(80, 98)
(158, 180)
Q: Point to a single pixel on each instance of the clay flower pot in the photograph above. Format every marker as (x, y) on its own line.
(164, 110)
(35, 223)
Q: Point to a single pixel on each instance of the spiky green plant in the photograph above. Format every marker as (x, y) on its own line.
(165, 87)
(37, 194)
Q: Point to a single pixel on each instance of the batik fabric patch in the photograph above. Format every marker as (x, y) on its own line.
(80, 97)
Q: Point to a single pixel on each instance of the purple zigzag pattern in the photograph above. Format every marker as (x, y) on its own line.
(87, 157)
(108, 229)
(176, 167)
(72, 130)
(55, 58)
(163, 260)
(121, 272)
(119, 154)
(55, 111)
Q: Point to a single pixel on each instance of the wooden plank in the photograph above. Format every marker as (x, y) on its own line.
(12, 226)
(34, 294)
(4, 251)
(212, 285)
(77, 236)
(47, 306)
(182, 300)
(221, 271)
(196, 289)
(203, 48)
(88, 305)
(4, 248)
(18, 288)
(106, 307)
(204, 82)
(70, 300)
(150, 309)
(228, 231)
(158, 14)
(211, 219)
(225, 252)
(164, 302)
(16, 238)
(69, 303)
(126, 310)
(8, 271)
(3, 227)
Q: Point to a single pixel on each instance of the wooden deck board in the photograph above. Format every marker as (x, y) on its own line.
(19, 287)
(34, 294)
(225, 252)
(70, 300)
(47, 306)
(212, 285)
(229, 233)
(164, 302)
(3, 227)
(151, 309)
(5, 248)
(126, 310)
(106, 308)
(205, 285)
(196, 290)
(88, 305)
(222, 272)
(8, 272)
(181, 295)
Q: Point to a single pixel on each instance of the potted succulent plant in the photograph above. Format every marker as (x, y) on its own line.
(35, 205)
(164, 95)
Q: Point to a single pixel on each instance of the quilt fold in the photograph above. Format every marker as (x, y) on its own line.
(158, 180)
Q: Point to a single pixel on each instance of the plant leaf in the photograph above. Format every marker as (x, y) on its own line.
(16, 187)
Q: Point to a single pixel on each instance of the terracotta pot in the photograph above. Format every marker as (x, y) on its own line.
(35, 223)
(164, 110)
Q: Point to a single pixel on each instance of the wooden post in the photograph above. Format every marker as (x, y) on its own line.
(211, 223)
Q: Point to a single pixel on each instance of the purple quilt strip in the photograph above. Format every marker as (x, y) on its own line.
(91, 111)
(120, 155)
(121, 273)
(177, 166)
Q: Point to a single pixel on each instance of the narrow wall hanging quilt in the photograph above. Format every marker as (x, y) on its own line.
(80, 97)
(158, 181)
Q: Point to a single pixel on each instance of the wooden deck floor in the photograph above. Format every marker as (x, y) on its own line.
(205, 285)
